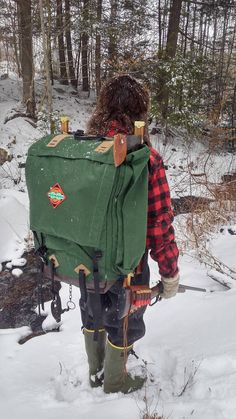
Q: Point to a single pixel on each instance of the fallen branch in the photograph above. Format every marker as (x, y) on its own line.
(36, 334)
(223, 283)
(19, 114)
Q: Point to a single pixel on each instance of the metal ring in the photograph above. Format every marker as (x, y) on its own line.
(71, 305)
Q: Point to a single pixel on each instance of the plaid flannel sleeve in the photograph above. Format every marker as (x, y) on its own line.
(160, 232)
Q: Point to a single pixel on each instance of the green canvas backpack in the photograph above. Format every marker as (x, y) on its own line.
(88, 214)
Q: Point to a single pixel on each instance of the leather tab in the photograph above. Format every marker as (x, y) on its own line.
(54, 260)
(120, 149)
(104, 147)
(56, 140)
(82, 267)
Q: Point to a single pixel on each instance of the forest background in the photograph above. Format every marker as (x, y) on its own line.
(184, 50)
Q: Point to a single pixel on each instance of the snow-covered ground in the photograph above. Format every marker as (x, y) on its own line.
(190, 344)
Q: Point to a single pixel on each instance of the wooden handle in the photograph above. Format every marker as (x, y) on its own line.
(64, 124)
(139, 128)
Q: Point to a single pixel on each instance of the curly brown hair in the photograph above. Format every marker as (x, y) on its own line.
(122, 99)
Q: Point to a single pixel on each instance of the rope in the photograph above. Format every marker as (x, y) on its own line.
(126, 325)
(125, 340)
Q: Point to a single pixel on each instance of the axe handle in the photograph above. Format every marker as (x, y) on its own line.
(156, 291)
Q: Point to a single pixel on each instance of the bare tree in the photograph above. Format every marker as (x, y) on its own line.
(98, 47)
(61, 45)
(69, 44)
(47, 63)
(27, 68)
(159, 29)
(171, 47)
(112, 45)
(173, 28)
(84, 48)
(48, 30)
(12, 11)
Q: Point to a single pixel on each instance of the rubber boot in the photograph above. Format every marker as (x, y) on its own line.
(95, 350)
(115, 376)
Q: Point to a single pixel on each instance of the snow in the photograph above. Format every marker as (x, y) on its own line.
(14, 226)
(223, 245)
(17, 272)
(186, 160)
(19, 262)
(190, 344)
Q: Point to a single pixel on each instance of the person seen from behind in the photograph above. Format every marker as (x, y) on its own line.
(122, 101)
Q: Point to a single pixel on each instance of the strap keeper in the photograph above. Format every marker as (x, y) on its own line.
(128, 279)
(98, 255)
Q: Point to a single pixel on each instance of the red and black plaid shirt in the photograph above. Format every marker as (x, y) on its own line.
(160, 232)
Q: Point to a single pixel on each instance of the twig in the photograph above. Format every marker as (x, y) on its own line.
(224, 284)
(189, 383)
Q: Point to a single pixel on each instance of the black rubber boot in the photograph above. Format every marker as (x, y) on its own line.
(115, 376)
(95, 350)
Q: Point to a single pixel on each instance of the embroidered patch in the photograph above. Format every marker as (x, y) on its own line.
(56, 195)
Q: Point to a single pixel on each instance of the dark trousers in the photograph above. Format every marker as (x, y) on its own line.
(110, 303)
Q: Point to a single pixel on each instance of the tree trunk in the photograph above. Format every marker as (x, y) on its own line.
(49, 39)
(200, 34)
(61, 46)
(77, 60)
(186, 29)
(98, 47)
(192, 45)
(171, 47)
(47, 65)
(84, 49)
(233, 118)
(204, 38)
(184, 41)
(207, 38)
(69, 44)
(27, 55)
(112, 46)
(173, 28)
(164, 22)
(84, 58)
(13, 14)
(159, 29)
(221, 81)
(214, 36)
